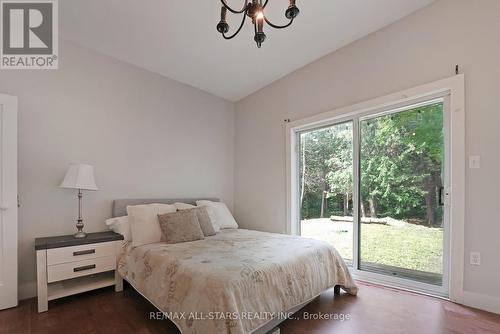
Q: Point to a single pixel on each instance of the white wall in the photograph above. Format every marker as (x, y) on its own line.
(146, 135)
(418, 49)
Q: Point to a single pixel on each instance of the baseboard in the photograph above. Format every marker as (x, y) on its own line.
(482, 302)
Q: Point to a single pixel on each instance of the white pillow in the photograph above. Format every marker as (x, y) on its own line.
(144, 223)
(120, 225)
(210, 211)
(183, 206)
(223, 216)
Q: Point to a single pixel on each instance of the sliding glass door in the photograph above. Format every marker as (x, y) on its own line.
(326, 186)
(374, 186)
(402, 177)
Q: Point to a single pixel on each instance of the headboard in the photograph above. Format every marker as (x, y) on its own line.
(120, 205)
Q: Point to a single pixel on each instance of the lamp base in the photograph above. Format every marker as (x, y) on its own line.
(80, 234)
(79, 224)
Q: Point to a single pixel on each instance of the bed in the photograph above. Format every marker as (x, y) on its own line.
(237, 281)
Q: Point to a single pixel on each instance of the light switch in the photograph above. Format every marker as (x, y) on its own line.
(474, 161)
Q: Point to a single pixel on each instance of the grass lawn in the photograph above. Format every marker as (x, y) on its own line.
(410, 246)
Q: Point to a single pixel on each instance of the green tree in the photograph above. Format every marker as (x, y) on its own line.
(401, 156)
(401, 159)
(340, 172)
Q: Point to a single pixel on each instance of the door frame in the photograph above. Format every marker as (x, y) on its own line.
(454, 89)
(8, 205)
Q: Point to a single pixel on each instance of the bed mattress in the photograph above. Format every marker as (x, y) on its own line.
(235, 281)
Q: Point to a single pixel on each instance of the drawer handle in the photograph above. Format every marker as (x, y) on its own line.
(77, 269)
(84, 252)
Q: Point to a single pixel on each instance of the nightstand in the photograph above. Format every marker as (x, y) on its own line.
(67, 265)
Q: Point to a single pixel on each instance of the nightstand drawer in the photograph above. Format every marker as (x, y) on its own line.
(63, 271)
(79, 253)
(67, 265)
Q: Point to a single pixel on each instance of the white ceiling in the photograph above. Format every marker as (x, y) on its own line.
(178, 39)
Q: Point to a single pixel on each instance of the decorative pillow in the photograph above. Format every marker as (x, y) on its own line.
(180, 226)
(223, 216)
(120, 225)
(211, 215)
(143, 221)
(203, 218)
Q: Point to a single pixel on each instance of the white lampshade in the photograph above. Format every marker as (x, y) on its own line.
(79, 176)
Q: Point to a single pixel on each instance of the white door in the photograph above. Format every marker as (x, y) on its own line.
(8, 201)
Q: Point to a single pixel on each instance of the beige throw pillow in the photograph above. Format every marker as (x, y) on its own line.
(180, 226)
(207, 230)
(223, 216)
(204, 220)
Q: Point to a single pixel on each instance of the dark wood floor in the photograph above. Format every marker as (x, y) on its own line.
(375, 310)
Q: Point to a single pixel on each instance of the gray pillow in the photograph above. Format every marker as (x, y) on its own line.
(180, 226)
(204, 220)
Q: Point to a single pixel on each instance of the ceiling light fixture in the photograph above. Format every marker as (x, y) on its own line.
(255, 10)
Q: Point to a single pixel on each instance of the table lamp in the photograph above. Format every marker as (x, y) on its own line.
(81, 177)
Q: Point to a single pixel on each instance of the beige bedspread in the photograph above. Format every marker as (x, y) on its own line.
(235, 281)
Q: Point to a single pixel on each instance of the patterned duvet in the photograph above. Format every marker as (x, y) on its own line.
(235, 281)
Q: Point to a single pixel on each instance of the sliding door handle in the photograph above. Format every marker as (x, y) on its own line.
(441, 196)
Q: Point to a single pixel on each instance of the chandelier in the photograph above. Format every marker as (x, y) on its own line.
(254, 9)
